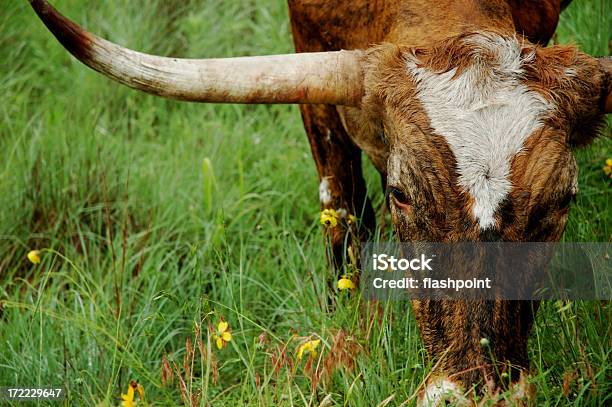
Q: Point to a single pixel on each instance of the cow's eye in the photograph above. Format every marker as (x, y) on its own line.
(398, 196)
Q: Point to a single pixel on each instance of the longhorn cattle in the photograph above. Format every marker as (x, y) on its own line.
(469, 119)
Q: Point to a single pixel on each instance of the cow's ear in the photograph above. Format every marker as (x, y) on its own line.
(575, 84)
(590, 109)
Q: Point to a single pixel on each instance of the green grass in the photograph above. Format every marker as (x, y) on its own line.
(159, 217)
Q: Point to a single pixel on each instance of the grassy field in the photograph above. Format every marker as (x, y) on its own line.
(156, 219)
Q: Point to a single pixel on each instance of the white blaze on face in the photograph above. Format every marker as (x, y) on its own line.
(485, 114)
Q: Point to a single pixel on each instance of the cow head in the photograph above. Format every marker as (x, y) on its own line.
(476, 129)
(479, 130)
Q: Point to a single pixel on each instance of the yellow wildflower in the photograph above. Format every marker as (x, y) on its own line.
(140, 390)
(34, 256)
(223, 335)
(352, 220)
(607, 169)
(308, 347)
(128, 399)
(329, 217)
(345, 284)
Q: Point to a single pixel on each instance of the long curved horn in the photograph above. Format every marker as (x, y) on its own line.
(605, 64)
(322, 77)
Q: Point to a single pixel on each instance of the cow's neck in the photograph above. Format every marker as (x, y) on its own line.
(323, 25)
(425, 24)
(347, 24)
